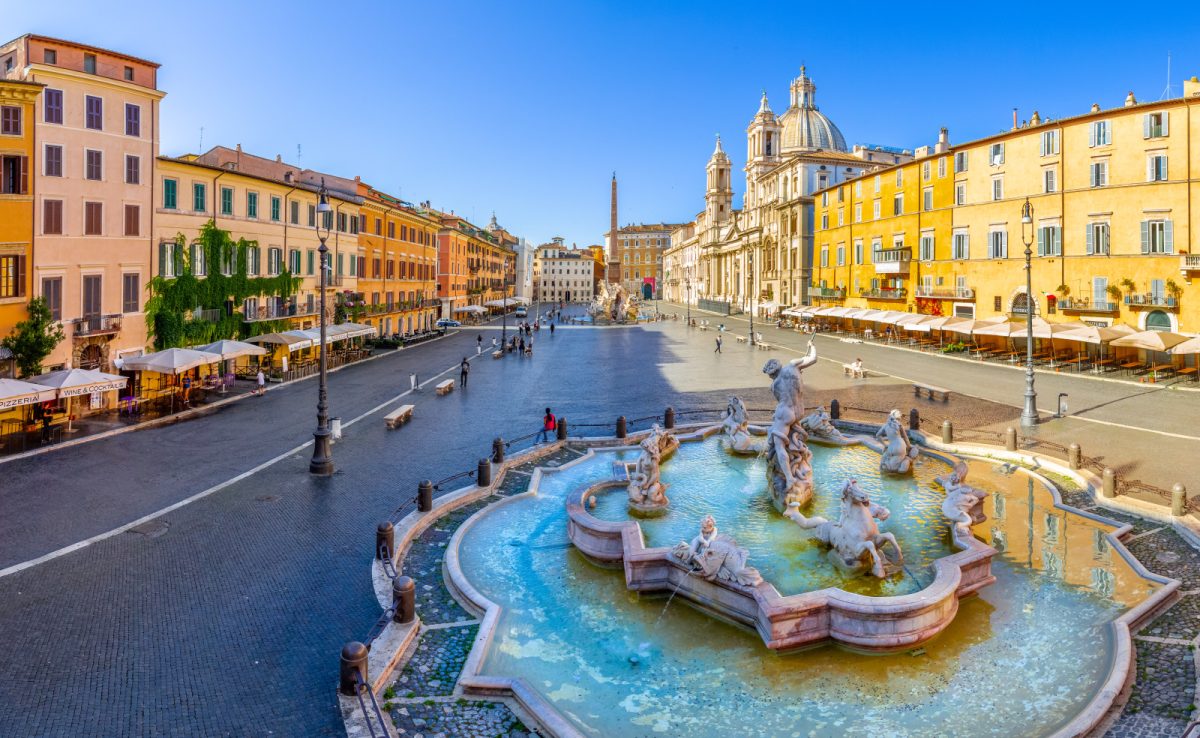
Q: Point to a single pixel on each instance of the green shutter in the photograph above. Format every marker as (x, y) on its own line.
(162, 259)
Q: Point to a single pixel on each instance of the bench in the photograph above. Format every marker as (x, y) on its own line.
(497, 354)
(848, 370)
(763, 345)
(931, 390)
(740, 339)
(444, 387)
(399, 416)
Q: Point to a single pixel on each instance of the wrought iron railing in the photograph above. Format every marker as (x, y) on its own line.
(949, 293)
(97, 325)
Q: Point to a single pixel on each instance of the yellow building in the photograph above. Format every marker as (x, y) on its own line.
(17, 105)
(398, 275)
(1111, 233)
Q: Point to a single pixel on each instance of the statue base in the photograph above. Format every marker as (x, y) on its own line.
(645, 510)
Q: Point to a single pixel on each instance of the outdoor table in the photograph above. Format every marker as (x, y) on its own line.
(1154, 370)
(1186, 371)
(1132, 366)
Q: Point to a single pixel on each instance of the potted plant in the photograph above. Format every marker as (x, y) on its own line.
(1173, 292)
(1114, 292)
(1129, 286)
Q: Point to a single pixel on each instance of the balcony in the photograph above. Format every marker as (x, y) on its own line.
(827, 293)
(1189, 263)
(945, 293)
(207, 316)
(892, 261)
(96, 325)
(1152, 300)
(279, 312)
(884, 294)
(1078, 305)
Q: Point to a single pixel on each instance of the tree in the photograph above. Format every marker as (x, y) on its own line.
(32, 340)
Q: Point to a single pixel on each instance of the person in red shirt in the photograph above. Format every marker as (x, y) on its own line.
(549, 424)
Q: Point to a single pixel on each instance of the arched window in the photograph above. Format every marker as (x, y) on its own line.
(1157, 320)
(1020, 304)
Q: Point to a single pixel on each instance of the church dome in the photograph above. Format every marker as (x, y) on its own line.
(805, 127)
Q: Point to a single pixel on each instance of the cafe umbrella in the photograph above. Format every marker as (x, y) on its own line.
(71, 383)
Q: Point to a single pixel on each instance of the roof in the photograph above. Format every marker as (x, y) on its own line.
(77, 45)
(191, 160)
(648, 227)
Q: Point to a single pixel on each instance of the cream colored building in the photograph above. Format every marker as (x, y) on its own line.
(565, 275)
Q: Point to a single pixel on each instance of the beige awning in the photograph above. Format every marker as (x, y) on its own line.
(1097, 334)
(171, 361)
(75, 382)
(232, 349)
(15, 393)
(1151, 340)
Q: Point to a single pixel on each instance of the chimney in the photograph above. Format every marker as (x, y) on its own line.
(1095, 107)
(1014, 119)
(278, 158)
(943, 142)
(1191, 87)
(1130, 99)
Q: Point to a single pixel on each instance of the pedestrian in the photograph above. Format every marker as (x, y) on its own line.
(261, 381)
(479, 341)
(412, 382)
(718, 344)
(463, 370)
(522, 344)
(549, 423)
(552, 329)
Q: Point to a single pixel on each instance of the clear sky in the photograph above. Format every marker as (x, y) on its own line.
(527, 109)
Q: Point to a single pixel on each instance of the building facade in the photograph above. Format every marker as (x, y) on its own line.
(1112, 232)
(639, 254)
(397, 274)
(473, 267)
(565, 275)
(18, 104)
(96, 133)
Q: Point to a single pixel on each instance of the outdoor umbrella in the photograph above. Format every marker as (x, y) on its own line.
(1190, 346)
(232, 349)
(968, 325)
(1151, 340)
(71, 383)
(924, 325)
(171, 361)
(15, 393)
(294, 343)
(1097, 335)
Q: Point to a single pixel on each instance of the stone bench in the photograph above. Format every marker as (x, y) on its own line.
(740, 339)
(497, 354)
(444, 387)
(399, 416)
(931, 390)
(764, 346)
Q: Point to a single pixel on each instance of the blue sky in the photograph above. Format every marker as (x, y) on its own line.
(526, 109)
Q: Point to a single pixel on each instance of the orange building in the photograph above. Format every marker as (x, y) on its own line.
(452, 277)
(17, 101)
(398, 273)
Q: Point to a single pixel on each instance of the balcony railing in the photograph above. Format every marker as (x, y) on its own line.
(1085, 305)
(1152, 300)
(884, 294)
(1189, 262)
(945, 293)
(892, 261)
(96, 325)
(278, 312)
(208, 316)
(827, 292)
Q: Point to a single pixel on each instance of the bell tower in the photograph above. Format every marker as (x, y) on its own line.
(718, 195)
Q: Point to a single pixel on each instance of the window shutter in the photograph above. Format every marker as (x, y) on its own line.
(1166, 116)
(1091, 238)
(1058, 241)
(1004, 244)
(1169, 236)
(24, 175)
(1145, 237)
(1149, 168)
(1041, 239)
(1092, 136)
(1146, 126)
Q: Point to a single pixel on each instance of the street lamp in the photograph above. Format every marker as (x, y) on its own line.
(1029, 415)
(322, 459)
(687, 280)
(750, 275)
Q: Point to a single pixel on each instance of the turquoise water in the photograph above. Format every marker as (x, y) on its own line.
(1022, 658)
(703, 478)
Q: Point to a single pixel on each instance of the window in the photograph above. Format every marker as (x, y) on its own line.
(133, 169)
(841, 254)
(1100, 290)
(93, 167)
(878, 183)
(1099, 173)
(925, 247)
(50, 56)
(52, 217)
(1100, 133)
(960, 193)
(10, 120)
(1049, 180)
(942, 167)
(925, 171)
(998, 245)
(341, 222)
(199, 197)
(14, 175)
(1154, 125)
(858, 252)
(997, 188)
(89, 63)
(295, 214)
(960, 162)
(53, 160)
(251, 204)
(1097, 238)
(312, 216)
(12, 275)
(824, 221)
(858, 212)
(1156, 168)
(133, 120)
(94, 117)
(927, 199)
(133, 218)
(1157, 237)
(841, 217)
(876, 210)
(378, 227)
(253, 260)
(899, 177)
(824, 199)
(170, 194)
(354, 224)
(294, 261)
(52, 294)
(858, 188)
(962, 246)
(897, 204)
(198, 260)
(131, 293)
(170, 259)
(274, 261)
(312, 262)
(824, 256)
(391, 230)
(128, 74)
(276, 204)
(226, 201)
(1049, 241)
(93, 218)
(52, 106)
(996, 154)
(1048, 145)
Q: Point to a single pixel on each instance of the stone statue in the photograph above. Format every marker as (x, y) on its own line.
(820, 427)
(854, 540)
(601, 306)
(736, 427)
(963, 505)
(717, 557)
(647, 493)
(789, 474)
(619, 300)
(898, 452)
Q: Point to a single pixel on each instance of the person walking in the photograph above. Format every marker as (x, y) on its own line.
(522, 345)
(718, 350)
(261, 381)
(479, 342)
(552, 329)
(463, 370)
(549, 423)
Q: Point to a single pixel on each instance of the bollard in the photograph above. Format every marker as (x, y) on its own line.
(483, 473)
(947, 431)
(914, 419)
(835, 409)
(1074, 456)
(669, 418)
(353, 668)
(385, 540)
(404, 599)
(1178, 500)
(1010, 439)
(621, 430)
(498, 450)
(1108, 484)
(425, 496)
(560, 429)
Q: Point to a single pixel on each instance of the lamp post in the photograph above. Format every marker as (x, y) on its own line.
(322, 459)
(687, 281)
(750, 275)
(1029, 415)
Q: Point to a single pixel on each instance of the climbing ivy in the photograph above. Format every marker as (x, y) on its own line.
(172, 317)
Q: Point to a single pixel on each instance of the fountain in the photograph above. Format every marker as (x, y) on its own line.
(736, 427)
(647, 493)
(789, 471)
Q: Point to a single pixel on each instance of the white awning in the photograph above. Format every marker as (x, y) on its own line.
(171, 361)
(15, 393)
(75, 382)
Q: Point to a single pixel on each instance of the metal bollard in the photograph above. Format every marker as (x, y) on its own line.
(385, 540)
(483, 473)
(1108, 484)
(669, 418)
(1178, 500)
(498, 450)
(561, 429)
(914, 419)
(425, 496)
(1010, 439)
(835, 409)
(404, 599)
(1074, 456)
(947, 431)
(621, 429)
(353, 668)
